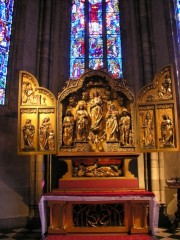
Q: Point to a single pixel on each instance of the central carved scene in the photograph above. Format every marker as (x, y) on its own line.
(97, 168)
(97, 115)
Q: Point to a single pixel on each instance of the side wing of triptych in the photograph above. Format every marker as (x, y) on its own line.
(36, 117)
(157, 122)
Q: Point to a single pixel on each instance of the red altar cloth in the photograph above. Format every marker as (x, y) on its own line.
(140, 193)
(112, 183)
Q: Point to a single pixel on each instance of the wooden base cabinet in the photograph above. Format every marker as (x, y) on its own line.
(98, 217)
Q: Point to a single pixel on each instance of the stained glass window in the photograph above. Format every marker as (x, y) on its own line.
(177, 15)
(6, 10)
(95, 37)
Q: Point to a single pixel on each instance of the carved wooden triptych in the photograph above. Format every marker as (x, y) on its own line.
(36, 117)
(97, 113)
(157, 114)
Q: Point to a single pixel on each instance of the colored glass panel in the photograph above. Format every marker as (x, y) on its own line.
(113, 46)
(114, 67)
(6, 11)
(77, 47)
(96, 63)
(89, 37)
(177, 15)
(95, 17)
(114, 55)
(95, 34)
(77, 53)
(178, 12)
(76, 67)
(95, 47)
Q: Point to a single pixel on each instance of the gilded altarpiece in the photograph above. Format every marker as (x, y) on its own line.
(157, 114)
(36, 117)
(96, 114)
(101, 128)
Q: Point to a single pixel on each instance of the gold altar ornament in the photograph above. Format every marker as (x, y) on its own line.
(36, 117)
(97, 114)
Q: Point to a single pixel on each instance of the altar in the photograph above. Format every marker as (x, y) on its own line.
(97, 128)
(139, 212)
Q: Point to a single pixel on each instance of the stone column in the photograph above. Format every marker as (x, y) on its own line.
(161, 177)
(145, 39)
(44, 49)
(155, 185)
(36, 183)
(141, 172)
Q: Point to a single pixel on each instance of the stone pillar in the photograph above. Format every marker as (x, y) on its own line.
(44, 48)
(161, 177)
(141, 170)
(36, 183)
(145, 39)
(155, 186)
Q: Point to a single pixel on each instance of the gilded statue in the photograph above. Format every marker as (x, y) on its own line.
(124, 127)
(28, 135)
(148, 130)
(27, 93)
(46, 135)
(99, 171)
(68, 128)
(82, 123)
(167, 130)
(112, 123)
(165, 90)
(96, 112)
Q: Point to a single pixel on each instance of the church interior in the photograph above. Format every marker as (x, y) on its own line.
(89, 100)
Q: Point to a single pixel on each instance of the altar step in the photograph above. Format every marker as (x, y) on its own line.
(99, 237)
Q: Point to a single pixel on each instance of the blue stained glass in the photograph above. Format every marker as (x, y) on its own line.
(114, 66)
(112, 23)
(113, 46)
(77, 27)
(95, 34)
(77, 47)
(2, 96)
(77, 53)
(76, 67)
(95, 1)
(95, 47)
(95, 18)
(96, 63)
(114, 54)
(177, 14)
(112, 6)
(6, 11)
(90, 43)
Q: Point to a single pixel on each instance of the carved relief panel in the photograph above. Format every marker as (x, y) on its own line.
(96, 114)
(36, 117)
(157, 114)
